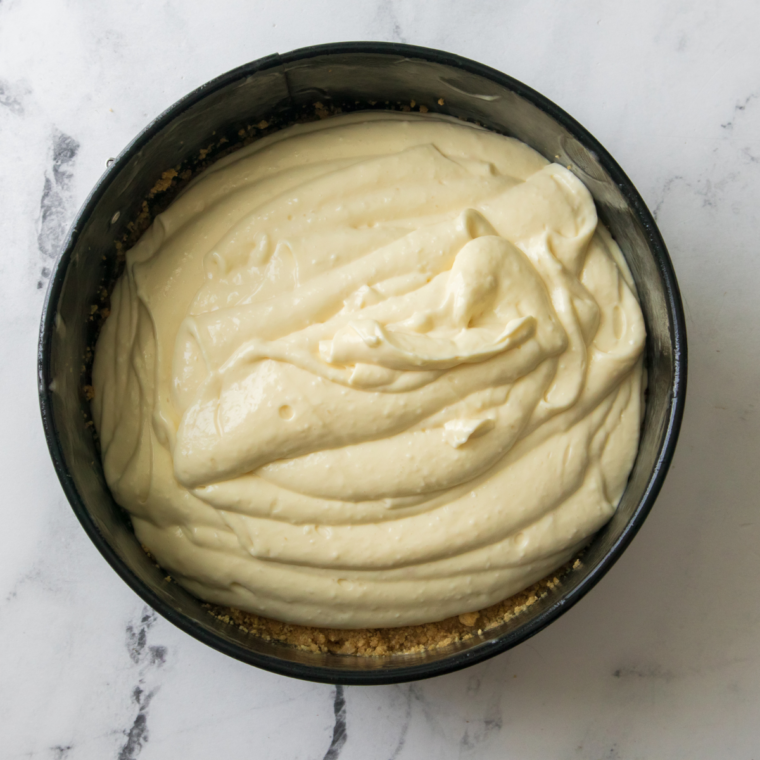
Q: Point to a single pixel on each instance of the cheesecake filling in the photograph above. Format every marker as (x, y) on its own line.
(376, 370)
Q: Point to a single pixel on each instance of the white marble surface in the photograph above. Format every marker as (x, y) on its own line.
(661, 660)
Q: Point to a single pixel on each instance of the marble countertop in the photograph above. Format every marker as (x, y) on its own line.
(661, 660)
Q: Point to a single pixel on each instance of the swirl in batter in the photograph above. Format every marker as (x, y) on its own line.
(372, 371)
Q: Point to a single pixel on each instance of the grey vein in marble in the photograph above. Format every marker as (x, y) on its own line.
(406, 720)
(12, 98)
(148, 659)
(56, 209)
(339, 733)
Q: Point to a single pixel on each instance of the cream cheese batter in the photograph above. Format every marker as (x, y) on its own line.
(371, 371)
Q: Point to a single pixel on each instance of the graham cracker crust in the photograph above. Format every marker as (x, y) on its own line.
(378, 642)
